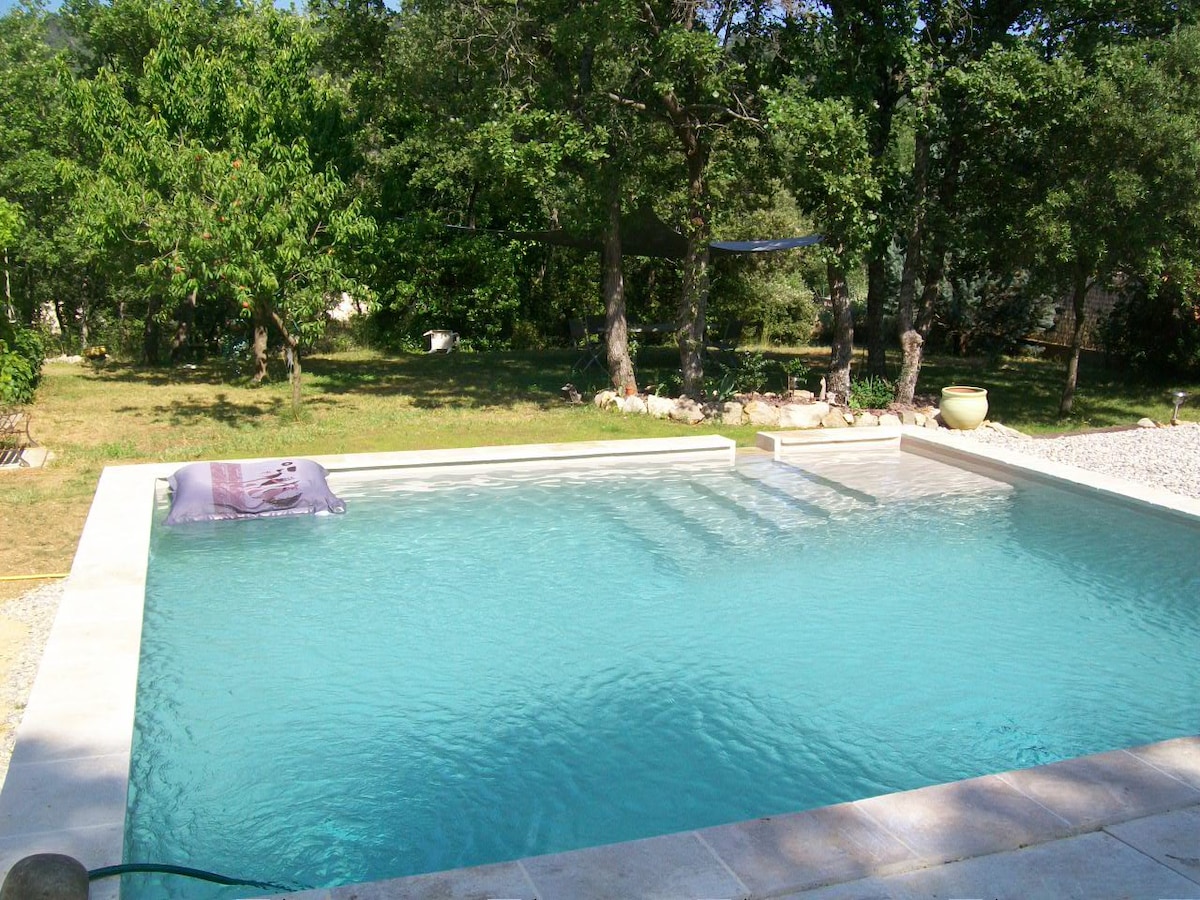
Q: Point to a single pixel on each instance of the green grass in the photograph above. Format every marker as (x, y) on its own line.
(365, 401)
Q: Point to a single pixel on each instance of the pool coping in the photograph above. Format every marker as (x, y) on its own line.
(66, 786)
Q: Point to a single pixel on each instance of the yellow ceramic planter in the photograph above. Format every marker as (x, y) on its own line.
(964, 407)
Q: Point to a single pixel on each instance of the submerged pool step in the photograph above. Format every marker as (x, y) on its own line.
(888, 475)
(713, 518)
(651, 528)
(823, 496)
(759, 503)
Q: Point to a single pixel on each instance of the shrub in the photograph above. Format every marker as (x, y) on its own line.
(871, 393)
(21, 356)
(748, 372)
(1155, 331)
(525, 336)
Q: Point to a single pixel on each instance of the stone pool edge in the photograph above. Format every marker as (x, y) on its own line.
(67, 783)
(972, 838)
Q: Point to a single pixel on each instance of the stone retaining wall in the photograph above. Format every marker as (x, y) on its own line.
(764, 412)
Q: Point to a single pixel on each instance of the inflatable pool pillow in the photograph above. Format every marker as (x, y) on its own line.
(204, 492)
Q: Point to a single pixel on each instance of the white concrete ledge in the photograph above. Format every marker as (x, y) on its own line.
(776, 442)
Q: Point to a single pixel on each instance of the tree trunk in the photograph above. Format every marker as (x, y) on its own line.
(8, 307)
(620, 366)
(183, 326)
(293, 359)
(911, 341)
(152, 334)
(1078, 304)
(294, 356)
(876, 288)
(693, 299)
(82, 313)
(258, 346)
(842, 346)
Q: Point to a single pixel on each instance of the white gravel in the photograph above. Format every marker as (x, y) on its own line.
(35, 609)
(1167, 458)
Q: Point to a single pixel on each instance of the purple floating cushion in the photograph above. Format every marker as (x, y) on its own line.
(204, 492)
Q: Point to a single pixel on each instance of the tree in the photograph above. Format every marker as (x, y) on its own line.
(35, 164)
(221, 180)
(827, 158)
(10, 227)
(864, 52)
(1088, 174)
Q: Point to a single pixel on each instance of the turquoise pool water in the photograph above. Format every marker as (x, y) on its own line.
(487, 668)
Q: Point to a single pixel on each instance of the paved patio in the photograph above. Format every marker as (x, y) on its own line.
(1124, 824)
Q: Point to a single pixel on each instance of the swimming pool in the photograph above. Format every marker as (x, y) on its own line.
(740, 642)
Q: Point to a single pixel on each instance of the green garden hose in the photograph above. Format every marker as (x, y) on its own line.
(166, 869)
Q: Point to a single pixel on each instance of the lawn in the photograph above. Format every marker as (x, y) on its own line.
(365, 401)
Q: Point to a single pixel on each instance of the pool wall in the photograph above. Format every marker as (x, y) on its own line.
(67, 784)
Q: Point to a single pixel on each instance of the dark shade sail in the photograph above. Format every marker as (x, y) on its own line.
(645, 234)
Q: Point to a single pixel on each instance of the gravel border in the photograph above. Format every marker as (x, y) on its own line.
(1166, 457)
(36, 609)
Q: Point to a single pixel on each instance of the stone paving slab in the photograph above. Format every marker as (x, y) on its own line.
(1173, 839)
(964, 818)
(1091, 791)
(1179, 758)
(671, 867)
(502, 880)
(821, 846)
(94, 788)
(1092, 866)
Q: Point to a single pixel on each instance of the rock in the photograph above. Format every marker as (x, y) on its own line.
(686, 411)
(659, 407)
(605, 399)
(733, 413)
(890, 420)
(866, 420)
(835, 418)
(804, 396)
(1146, 423)
(919, 419)
(909, 417)
(803, 415)
(46, 876)
(931, 422)
(632, 404)
(763, 415)
(1006, 431)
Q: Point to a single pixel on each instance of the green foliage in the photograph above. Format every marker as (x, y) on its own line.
(21, 355)
(10, 223)
(1155, 331)
(214, 172)
(990, 316)
(471, 285)
(795, 368)
(871, 393)
(776, 291)
(748, 371)
(828, 166)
